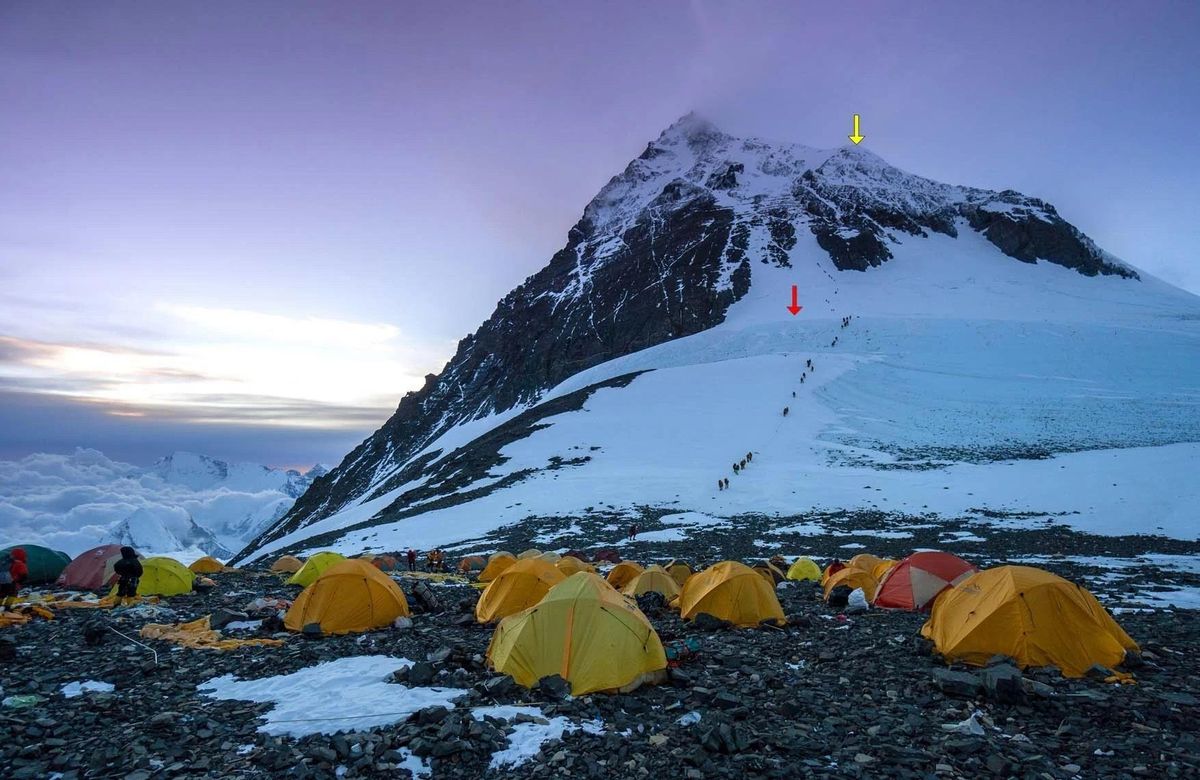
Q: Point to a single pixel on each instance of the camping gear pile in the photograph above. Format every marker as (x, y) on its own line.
(199, 635)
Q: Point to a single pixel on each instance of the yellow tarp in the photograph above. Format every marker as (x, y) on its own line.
(804, 569)
(620, 575)
(1034, 617)
(583, 631)
(198, 635)
(206, 565)
(654, 578)
(854, 578)
(163, 576)
(348, 597)
(521, 585)
(496, 566)
(730, 591)
(314, 567)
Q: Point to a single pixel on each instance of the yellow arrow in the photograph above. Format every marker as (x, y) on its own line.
(856, 137)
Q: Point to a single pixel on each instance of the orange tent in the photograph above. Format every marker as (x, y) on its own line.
(521, 585)
(622, 573)
(348, 597)
(854, 578)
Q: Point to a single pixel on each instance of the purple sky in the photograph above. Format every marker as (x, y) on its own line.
(190, 191)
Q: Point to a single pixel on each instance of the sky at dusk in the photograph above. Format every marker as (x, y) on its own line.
(246, 229)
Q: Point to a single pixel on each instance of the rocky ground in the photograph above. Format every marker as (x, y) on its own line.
(828, 696)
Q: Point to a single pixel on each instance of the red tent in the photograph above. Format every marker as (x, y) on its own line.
(91, 570)
(580, 554)
(607, 555)
(914, 582)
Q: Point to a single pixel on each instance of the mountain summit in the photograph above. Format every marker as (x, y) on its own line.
(704, 233)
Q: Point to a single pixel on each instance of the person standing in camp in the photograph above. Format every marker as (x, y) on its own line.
(129, 571)
(13, 572)
(412, 559)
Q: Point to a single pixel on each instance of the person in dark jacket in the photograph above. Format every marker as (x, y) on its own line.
(14, 570)
(129, 573)
(412, 559)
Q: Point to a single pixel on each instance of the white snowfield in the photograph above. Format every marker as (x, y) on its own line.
(954, 350)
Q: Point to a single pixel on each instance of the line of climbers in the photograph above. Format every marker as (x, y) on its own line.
(723, 483)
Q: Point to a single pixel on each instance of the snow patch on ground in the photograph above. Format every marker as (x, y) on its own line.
(342, 695)
(356, 694)
(73, 689)
(527, 739)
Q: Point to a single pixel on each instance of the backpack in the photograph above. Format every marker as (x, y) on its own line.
(6, 562)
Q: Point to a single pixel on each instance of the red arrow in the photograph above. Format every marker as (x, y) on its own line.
(794, 308)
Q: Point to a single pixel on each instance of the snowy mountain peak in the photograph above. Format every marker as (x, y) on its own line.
(672, 246)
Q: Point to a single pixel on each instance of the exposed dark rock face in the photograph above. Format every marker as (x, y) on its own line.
(662, 252)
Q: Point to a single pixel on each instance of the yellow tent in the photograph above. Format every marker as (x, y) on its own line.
(349, 596)
(730, 591)
(804, 569)
(163, 577)
(496, 566)
(654, 578)
(864, 561)
(521, 585)
(679, 571)
(314, 567)
(1030, 615)
(569, 565)
(622, 573)
(854, 578)
(550, 557)
(882, 568)
(583, 631)
(532, 552)
(206, 565)
(288, 564)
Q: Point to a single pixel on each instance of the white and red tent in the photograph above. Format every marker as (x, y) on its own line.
(916, 581)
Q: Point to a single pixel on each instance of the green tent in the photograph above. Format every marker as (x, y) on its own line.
(44, 564)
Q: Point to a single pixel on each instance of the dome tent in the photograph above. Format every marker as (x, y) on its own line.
(679, 571)
(206, 565)
(45, 565)
(914, 582)
(732, 592)
(314, 567)
(349, 597)
(804, 568)
(287, 564)
(622, 573)
(865, 561)
(1030, 615)
(583, 631)
(496, 565)
(472, 563)
(91, 570)
(569, 565)
(655, 579)
(521, 585)
(162, 576)
(852, 578)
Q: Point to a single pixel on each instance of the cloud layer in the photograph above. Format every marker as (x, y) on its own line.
(74, 502)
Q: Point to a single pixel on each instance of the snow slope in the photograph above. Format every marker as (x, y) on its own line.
(965, 381)
(185, 505)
